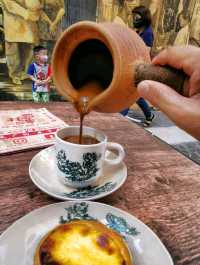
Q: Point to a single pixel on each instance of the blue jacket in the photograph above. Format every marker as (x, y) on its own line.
(147, 36)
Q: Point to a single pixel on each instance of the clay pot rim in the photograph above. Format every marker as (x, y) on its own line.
(107, 40)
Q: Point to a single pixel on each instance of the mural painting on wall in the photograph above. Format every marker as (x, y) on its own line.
(50, 23)
(195, 25)
(20, 28)
(2, 47)
(26, 23)
(175, 22)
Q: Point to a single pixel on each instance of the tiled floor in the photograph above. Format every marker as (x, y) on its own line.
(165, 130)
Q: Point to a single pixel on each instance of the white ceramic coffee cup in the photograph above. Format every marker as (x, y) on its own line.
(78, 165)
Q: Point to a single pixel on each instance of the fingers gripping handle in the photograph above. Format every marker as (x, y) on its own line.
(164, 74)
(120, 153)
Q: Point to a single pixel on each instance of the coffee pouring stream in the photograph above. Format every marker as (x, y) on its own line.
(104, 62)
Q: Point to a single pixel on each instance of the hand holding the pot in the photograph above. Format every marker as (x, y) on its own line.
(184, 111)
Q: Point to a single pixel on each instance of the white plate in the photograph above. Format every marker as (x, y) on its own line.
(42, 171)
(18, 243)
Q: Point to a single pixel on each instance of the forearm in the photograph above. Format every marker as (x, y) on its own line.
(59, 16)
(32, 78)
(45, 18)
(48, 80)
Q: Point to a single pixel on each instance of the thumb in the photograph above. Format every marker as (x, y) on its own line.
(163, 97)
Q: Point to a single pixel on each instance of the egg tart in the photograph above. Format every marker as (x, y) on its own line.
(82, 243)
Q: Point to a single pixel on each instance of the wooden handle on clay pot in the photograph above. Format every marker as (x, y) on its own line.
(163, 74)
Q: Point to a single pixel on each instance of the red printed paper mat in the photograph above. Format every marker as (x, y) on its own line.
(27, 129)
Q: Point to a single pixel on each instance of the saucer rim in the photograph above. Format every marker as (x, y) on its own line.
(66, 198)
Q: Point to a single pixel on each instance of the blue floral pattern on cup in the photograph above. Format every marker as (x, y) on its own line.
(75, 171)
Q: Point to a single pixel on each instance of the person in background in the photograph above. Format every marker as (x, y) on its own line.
(184, 111)
(142, 25)
(40, 74)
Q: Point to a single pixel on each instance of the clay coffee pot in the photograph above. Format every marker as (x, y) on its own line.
(105, 62)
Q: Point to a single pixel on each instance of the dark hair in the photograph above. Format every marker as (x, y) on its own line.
(145, 13)
(38, 48)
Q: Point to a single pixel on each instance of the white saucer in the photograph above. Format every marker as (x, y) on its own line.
(42, 171)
